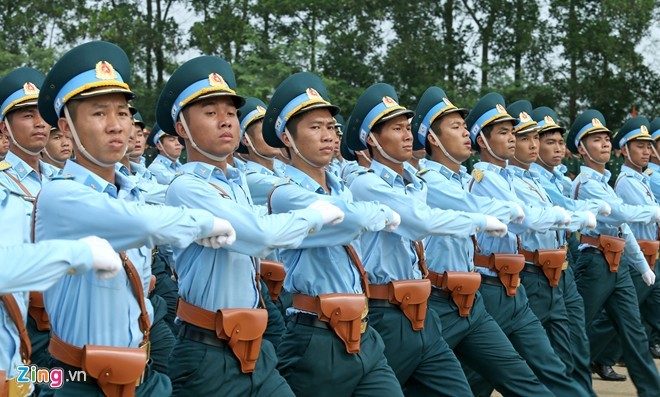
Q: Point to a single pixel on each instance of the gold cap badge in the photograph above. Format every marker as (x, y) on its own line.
(313, 94)
(215, 80)
(30, 89)
(447, 102)
(644, 130)
(524, 117)
(389, 102)
(549, 120)
(500, 108)
(105, 71)
(596, 123)
(261, 109)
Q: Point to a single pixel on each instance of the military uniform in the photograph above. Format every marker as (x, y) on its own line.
(609, 287)
(162, 168)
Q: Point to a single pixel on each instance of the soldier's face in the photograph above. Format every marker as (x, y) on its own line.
(103, 124)
(551, 148)
(314, 137)
(29, 129)
(213, 124)
(396, 139)
(598, 145)
(527, 147)
(502, 140)
(4, 145)
(59, 146)
(257, 139)
(170, 146)
(637, 152)
(140, 141)
(454, 136)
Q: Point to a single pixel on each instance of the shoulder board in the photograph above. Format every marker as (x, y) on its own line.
(4, 165)
(362, 172)
(422, 172)
(282, 181)
(61, 177)
(249, 171)
(477, 174)
(648, 171)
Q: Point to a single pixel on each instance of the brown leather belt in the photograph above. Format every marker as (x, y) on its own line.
(549, 261)
(611, 247)
(461, 287)
(411, 296)
(37, 310)
(507, 267)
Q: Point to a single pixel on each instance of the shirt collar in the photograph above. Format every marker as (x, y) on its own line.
(629, 171)
(310, 184)
(168, 163)
(391, 177)
(206, 171)
(654, 167)
(445, 171)
(19, 166)
(84, 176)
(258, 168)
(485, 166)
(121, 168)
(593, 174)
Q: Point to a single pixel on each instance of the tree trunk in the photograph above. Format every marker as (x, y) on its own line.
(149, 46)
(450, 62)
(160, 61)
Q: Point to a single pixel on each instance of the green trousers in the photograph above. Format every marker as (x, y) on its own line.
(166, 288)
(198, 369)
(528, 337)
(480, 344)
(315, 363)
(422, 357)
(275, 327)
(615, 292)
(160, 335)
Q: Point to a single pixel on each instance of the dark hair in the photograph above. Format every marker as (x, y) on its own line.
(376, 129)
(292, 127)
(250, 127)
(487, 130)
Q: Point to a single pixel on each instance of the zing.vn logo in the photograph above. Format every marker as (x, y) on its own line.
(53, 377)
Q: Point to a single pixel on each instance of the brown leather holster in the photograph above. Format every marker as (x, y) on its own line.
(117, 370)
(507, 266)
(611, 247)
(463, 287)
(4, 392)
(410, 295)
(37, 310)
(243, 329)
(273, 274)
(650, 250)
(343, 313)
(551, 261)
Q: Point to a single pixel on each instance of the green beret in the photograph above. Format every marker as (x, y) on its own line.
(91, 69)
(377, 104)
(636, 128)
(19, 88)
(297, 94)
(522, 110)
(432, 106)
(546, 118)
(488, 111)
(589, 122)
(253, 110)
(199, 78)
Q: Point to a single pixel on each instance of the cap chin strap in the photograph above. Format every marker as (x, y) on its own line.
(60, 163)
(295, 149)
(488, 147)
(630, 158)
(168, 154)
(11, 135)
(81, 148)
(194, 145)
(522, 162)
(655, 151)
(544, 163)
(589, 155)
(382, 152)
(444, 151)
(364, 156)
(249, 142)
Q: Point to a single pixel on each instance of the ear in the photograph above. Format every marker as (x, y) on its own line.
(244, 139)
(431, 139)
(3, 127)
(624, 150)
(62, 125)
(178, 127)
(480, 141)
(580, 148)
(285, 140)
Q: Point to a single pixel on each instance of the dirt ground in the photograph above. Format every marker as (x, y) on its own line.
(612, 389)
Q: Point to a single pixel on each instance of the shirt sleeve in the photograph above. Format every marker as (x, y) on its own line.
(36, 267)
(633, 251)
(621, 213)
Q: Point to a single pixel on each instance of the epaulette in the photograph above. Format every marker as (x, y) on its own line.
(362, 172)
(422, 172)
(648, 171)
(62, 177)
(477, 174)
(282, 182)
(4, 165)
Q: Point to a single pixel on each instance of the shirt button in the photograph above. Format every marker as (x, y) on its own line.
(478, 230)
(71, 271)
(311, 231)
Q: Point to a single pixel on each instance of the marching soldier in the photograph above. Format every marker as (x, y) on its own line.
(103, 326)
(137, 155)
(4, 145)
(328, 348)
(58, 149)
(492, 131)
(602, 283)
(165, 166)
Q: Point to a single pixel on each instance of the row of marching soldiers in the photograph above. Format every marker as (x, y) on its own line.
(320, 274)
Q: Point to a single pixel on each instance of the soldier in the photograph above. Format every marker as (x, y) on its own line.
(58, 149)
(328, 348)
(103, 326)
(137, 155)
(414, 346)
(166, 164)
(602, 283)
(633, 187)
(4, 145)
(551, 152)
(217, 287)
(654, 164)
(497, 259)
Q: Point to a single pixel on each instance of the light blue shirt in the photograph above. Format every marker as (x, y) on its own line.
(152, 191)
(591, 184)
(497, 182)
(653, 171)
(446, 191)
(225, 278)
(553, 184)
(164, 169)
(321, 265)
(634, 188)
(391, 256)
(261, 181)
(82, 308)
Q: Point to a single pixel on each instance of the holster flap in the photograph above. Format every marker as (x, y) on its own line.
(552, 263)
(463, 287)
(344, 314)
(508, 267)
(114, 365)
(411, 296)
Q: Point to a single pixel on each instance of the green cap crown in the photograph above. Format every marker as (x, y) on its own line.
(547, 119)
(491, 109)
(253, 111)
(19, 88)
(432, 106)
(522, 110)
(636, 128)
(589, 122)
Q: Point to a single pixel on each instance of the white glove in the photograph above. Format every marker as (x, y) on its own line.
(605, 209)
(567, 216)
(106, 261)
(494, 227)
(396, 221)
(222, 234)
(329, 212)
(649, 277)
(591, 220)
(520, 217)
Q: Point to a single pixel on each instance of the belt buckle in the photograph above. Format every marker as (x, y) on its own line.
(147, 347)
(564, 265)
(18, 389)
(364, 317)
